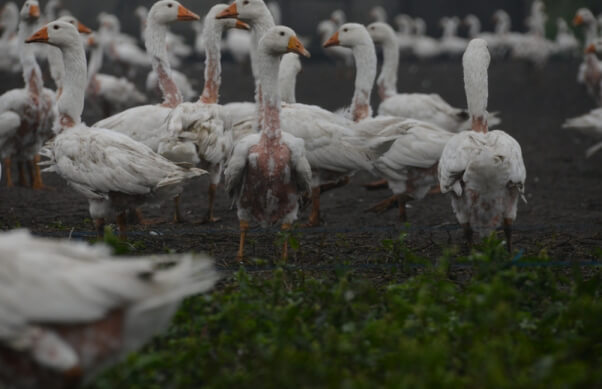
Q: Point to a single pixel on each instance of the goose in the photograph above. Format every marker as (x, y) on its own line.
(589, 124)
(199, 46)
(70, 310)
(200, 131)
(425, 47)
(482, 170)
(405, 152)
(342, 57)
(591, 72)
(584, 17)
(494, 40)
(566, 43)
(50, 10)
(144, 123)
(9, 20)
(590, 69)
(112, 93)
(426, 107)
(110, 169)
(506, 38)
(450, 44)
(534, 47)
(32, 104)
(268, 172)
(331, 156)
(276, 12)
(379, 14)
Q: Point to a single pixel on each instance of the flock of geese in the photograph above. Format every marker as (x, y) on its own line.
(272, 154)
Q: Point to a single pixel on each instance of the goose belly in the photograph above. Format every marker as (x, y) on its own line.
(269, 195)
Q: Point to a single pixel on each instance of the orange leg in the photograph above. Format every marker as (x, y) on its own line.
(244, 227)
(8, 173)
(178, 218)
(285, 227)
(22, 179)
(122, 224)
(99, 226)
(38, 183)
(209, 218)
(384, 205)
(314, 219)
(334, 185)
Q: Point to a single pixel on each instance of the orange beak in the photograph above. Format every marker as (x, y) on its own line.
(591, 49)
(83, 29)
(230, 12)
(185, 14)
(242, 25)
(295, 46)
(578, 20)
(41, 36)
(333, 41)
(34, 11)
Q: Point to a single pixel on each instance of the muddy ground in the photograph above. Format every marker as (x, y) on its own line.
(563, 217)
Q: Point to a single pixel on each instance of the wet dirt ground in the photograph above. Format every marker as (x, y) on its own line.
(563, 217)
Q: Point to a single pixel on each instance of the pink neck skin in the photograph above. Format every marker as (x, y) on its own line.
(211, 91)
(479, 124)
(359, 108)
(171, 94)
(271, 133)
(34, 87)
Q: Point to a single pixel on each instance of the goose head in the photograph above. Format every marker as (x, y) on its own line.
(562, 26)
(280, 40)
(584, 17)
(30, 12)
(378, 14)
(403, 23)
(338, 17)
(168, 11)
(82, 29)
(594, 47)
(141, 12)
(381, 33)
(419, 27)
(57, 33)
(245, 10)
(350, 35)
(109, 23)
(473, 23)
(476, 62)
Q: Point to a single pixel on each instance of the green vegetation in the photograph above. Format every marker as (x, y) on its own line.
(485, 321)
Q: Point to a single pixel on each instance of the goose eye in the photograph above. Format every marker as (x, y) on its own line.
(281, 33)
(245, 2)
(170, 5)
(56, 27)
(345, 30)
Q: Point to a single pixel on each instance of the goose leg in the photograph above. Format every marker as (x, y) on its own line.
(468, 235)
(22, 179)
(99, 226)
(178, 218)
(285, 227)
(209, 218)
(384, 205)
(314, 218)
(508, 233)
(38, 183)
(334, 185)
(122, 224)
(244, 227)
(8, 173)
(403, 213)
(377, 185)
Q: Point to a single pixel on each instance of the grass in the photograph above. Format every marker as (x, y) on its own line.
(504, 325)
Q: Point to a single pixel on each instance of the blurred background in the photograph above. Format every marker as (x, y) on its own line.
(304, 15)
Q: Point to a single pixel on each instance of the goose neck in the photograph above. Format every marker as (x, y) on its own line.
(366, 62)
(270, 103)
(156, 46)
(212, 34)
(96, 59)
(479, 124)
(71, 101)
(32, 75)
(259, 27)
(387, 81)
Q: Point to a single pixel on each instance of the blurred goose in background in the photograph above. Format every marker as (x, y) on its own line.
(269, 172)
(425, 47)
(121, 48)
(343, 58)
(113, 94)
(9, 21)
(70, 310)
(589, 124)
(534, 47)
(484, 171)
(590, 72)
(379, 14)
(451, 44)
(50, 10)
(567, 45)
(584, 17)
(26, 114)
(111, 170)
(405, 38)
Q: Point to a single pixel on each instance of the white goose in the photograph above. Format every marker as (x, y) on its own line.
(425, 47)
(590, 73)
(70, 310)
(268, 172)
(120, 48)
(430, 108)
(34, 106)
(589, 124)
(111, 170)
(484, 171)
(566, 43)
(144, 123)
(113, 94)
(9, 21)
(451, 44)
(331, 156)
(407, 151)
(405, 39)
(379, 14)
(200, 132)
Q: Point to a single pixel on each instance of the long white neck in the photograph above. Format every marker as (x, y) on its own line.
(387, 81)
(270, 105)
(57, 67)
(212, 35)
(287, 78)
(259, 27)
(32, 75)
(71, 102)
(366, 63)
(476, 83)
(591, 33)
(156, 46)
(95, 63)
